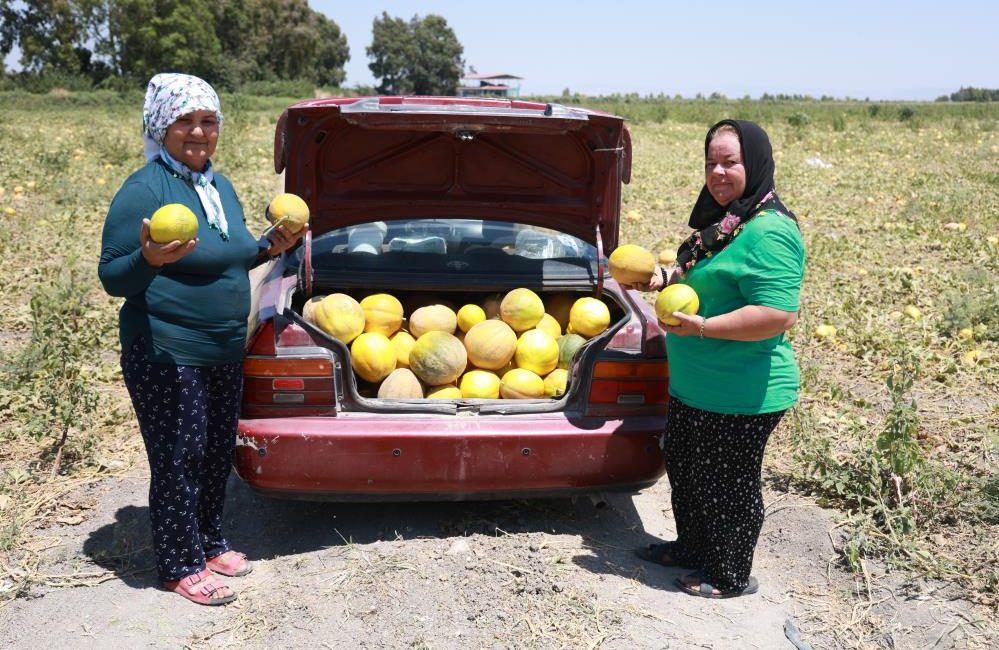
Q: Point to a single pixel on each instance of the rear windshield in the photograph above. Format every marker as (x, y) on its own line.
(456, 244)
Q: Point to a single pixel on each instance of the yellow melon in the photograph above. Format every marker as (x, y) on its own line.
(667, 257)
(480, 384)
(438, 358)
(676, 297)
(490, 344)
(340, 316)
(290, 210)
(549, 325)
(402, 343)
(521, 309)
(555, 382)
(589, 317)
(521, 383)
(536, 351)
(631, 264)
(401, 384)
(173, 222)
(432, 318)
(413, 301)
(372, 356)
(382, 313)
(470, 315)
(447, 391)
(309, 309)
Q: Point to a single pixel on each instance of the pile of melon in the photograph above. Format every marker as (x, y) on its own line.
(506, 346)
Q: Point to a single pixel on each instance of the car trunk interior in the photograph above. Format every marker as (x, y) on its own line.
(356, 394)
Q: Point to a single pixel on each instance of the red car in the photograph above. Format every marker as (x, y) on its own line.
(458, 199)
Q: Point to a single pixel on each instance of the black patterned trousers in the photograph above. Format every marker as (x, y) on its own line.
(714, 463)
(187, 416)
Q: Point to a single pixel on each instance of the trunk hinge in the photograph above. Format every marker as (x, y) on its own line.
(305, 272)
(600, 264)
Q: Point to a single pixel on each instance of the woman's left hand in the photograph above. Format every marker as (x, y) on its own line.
(282, 239)
(689, 325)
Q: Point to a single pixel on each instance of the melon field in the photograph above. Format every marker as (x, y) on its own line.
(887, 466)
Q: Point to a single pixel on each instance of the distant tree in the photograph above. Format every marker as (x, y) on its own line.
(332, 53)
(975, 95)
(267, 40)
(228, 42)
(8, 31)
(165, 36)
(392, 51)
(243, 39)
(439, 65)
(422, 56)
(50, 34)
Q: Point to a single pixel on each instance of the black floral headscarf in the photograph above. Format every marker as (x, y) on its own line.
(715, 225)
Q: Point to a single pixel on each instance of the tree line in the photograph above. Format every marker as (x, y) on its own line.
(970, 94)
(120, 44)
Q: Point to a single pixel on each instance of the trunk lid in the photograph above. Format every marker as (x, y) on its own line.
(355, 160)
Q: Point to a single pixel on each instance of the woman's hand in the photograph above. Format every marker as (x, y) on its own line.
(282, 239)
(159, 254)
(656, 282)
(689, 325)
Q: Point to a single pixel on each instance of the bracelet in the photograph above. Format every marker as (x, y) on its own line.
(703, 321)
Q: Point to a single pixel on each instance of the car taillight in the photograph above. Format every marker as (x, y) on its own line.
(286, 374)
(631, 375)
(629, 387)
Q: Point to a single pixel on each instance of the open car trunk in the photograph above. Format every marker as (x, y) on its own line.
(355, 394)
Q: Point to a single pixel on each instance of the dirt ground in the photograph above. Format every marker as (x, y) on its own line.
(450, 576)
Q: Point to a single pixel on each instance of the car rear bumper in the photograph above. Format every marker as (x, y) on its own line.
(360, 457)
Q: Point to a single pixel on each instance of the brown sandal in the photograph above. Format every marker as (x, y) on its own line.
(231, 563)
(203, 588)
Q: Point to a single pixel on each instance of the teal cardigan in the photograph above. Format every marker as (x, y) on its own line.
(193, 311)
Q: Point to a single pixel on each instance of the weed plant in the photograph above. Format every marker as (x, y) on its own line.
(53, 367)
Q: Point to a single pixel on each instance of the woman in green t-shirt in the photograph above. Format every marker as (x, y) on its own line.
(732, 369)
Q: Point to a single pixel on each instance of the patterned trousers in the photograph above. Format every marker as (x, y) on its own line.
(714, 463)
(187, 416)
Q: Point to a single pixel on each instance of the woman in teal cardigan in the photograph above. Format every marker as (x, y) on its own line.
(732, 370)
(182, 329)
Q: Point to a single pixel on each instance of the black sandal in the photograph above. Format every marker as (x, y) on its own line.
(706, 590)
(661, 554)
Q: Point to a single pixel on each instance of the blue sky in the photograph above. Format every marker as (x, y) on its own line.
(882, 50)
(844, 48)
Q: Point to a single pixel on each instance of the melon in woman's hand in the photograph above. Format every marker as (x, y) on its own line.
(291, 209)
(631, 264)
(676, 297)
(173, 222)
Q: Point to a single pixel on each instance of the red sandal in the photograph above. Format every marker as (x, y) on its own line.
(203, 588)
(231, 563)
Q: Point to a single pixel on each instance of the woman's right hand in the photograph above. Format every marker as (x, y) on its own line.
(159, 254)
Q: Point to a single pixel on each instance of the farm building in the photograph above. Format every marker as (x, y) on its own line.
(489, 85)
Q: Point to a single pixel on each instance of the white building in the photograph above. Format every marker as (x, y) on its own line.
(489, 85)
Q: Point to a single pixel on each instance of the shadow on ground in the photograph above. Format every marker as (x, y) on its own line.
(266, 528)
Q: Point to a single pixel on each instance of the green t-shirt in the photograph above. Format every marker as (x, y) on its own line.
(764, 265)
(193, 311)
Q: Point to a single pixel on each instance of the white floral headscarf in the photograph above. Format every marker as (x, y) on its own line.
(168, 97)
